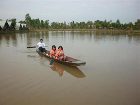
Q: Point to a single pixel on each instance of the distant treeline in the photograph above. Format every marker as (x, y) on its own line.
(12, 26)
(40, 24)
(32, 24)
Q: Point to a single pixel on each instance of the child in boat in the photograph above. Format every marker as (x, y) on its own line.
(53, 51)
(59, 53)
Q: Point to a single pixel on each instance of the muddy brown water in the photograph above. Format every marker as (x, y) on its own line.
(111, 75)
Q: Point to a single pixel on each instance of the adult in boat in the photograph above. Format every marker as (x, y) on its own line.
(59, 53)
(41, 46)
(52, 52)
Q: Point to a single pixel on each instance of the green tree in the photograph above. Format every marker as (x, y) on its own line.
(97, 24)
(137, 25)
(42, 24)
(6, 26)
(38, 25)
(46, 24)
(28, 19)
(72, 24)
(13, 24)
(82, 25)
(118, 25)
(130, 26)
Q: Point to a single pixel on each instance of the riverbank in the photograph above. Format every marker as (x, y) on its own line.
(11, 32)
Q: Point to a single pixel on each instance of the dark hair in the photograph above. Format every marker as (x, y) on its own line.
(60, 47)
(41, 39)
(53, 46)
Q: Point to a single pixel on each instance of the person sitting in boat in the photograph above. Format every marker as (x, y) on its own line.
(53, 51)
(59, 53)
(41, 46)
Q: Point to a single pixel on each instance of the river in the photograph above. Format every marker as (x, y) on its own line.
(110, 77)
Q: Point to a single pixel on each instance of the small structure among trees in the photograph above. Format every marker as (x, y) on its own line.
(12, 25)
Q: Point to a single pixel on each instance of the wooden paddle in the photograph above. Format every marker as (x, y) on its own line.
(32, 47)
(51, 60)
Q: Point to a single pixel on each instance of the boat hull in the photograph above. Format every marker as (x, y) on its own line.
(68, 60)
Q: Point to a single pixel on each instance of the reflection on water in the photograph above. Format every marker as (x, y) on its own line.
(59, 68)
(92, 35)
(74, 71)
(8, 39)
(30, 39)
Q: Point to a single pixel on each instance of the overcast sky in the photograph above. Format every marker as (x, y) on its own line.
(68, 10)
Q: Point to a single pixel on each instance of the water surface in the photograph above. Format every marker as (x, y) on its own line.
(110, 77)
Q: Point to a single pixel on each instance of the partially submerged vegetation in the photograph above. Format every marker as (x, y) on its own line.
(98, 25)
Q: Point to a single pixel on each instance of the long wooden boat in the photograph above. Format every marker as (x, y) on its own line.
(68, 60)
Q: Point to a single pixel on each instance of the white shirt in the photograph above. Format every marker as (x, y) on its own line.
(39, 44)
